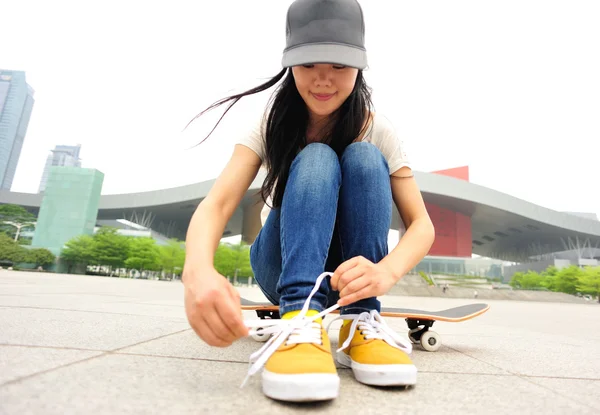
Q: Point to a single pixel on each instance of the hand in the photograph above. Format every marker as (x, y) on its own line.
(213, 308)
(359, 278)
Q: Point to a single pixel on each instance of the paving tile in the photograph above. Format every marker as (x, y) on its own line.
(76, 329)
(94, 294)
(17, 361)
(552, 356)
(580, 390)
(137, 384)
(131, 307)
(519, 357)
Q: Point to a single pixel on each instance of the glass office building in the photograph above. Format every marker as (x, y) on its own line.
(64, 156)
(16, 105)
(69, 207)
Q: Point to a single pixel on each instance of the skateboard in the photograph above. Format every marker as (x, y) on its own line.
(419, 322)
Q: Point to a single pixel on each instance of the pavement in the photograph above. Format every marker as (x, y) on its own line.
(79, 344)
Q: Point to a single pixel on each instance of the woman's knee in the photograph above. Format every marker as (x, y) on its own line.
(317, 153)
(316, 162)
(364, 158)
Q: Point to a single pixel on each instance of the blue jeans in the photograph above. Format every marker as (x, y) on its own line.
(333, 209)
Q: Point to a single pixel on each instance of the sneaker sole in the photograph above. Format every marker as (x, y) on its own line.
(380, 375)
(300, 387)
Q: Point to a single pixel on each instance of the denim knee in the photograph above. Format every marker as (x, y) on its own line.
(363, 158)
(316, 163)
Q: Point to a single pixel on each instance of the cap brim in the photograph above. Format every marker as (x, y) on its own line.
(328, 53)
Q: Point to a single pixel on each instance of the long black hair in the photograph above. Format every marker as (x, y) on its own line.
(287, 122)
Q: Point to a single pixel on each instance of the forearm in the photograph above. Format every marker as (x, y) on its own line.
(203, 236)
(412, 247)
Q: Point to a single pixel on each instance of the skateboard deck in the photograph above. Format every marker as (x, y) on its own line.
(455, 314)
(419, 321)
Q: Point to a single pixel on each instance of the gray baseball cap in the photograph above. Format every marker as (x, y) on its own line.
(325, 31)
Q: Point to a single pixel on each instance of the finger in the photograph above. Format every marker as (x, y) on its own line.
(231, 313)
(217, 325)
(355, 286)
(349, 276)
(209, 338)
(334, 281)
(204, 331)
(343, 267)
(241, 330)
(356, 296)
(346, 265)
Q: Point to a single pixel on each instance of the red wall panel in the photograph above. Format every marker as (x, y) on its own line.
(457, 172)
(452, 230)
(464, 236)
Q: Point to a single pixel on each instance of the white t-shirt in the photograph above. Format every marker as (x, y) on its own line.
(381, 134)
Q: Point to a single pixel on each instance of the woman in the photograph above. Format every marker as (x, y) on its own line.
(334, 167)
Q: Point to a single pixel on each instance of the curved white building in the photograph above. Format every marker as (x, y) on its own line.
(469, 219)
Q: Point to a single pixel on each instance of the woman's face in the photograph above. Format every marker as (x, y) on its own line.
(324, 87)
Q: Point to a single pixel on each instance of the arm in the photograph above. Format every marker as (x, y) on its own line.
(210, 218)
(420, 233)
(212, 305)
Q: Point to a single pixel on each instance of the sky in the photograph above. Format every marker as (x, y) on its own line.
(509, 88)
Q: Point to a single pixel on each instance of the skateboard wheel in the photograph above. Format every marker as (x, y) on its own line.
(412, 339)
(431, 341)
(260, 337)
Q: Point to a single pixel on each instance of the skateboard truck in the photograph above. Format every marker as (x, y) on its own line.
(419, 333)
(263, 314)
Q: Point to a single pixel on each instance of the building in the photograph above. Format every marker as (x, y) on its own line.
(63, 156)
(127, 228)
(16, 105)
(69, 207)
(472, 222)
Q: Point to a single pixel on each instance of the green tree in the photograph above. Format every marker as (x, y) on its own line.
(109, 248)
(549, 278)
(79, 250)
(143, 255)
(242, 259)
(566, 280)
(230, 258)
(10, 251)
(515, 280)
(528, 280)
(171, 256)
(224, 261)
(40, 257)
(13, 219)
(589, 281)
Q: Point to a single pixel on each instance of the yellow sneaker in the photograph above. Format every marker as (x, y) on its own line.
(302, 368)
(297, 359)
(376, 354)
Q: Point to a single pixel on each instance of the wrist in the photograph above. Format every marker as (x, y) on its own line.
(387, 264)
(194, 271)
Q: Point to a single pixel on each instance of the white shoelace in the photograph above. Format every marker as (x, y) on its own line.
(372, 326)
(300, 329)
